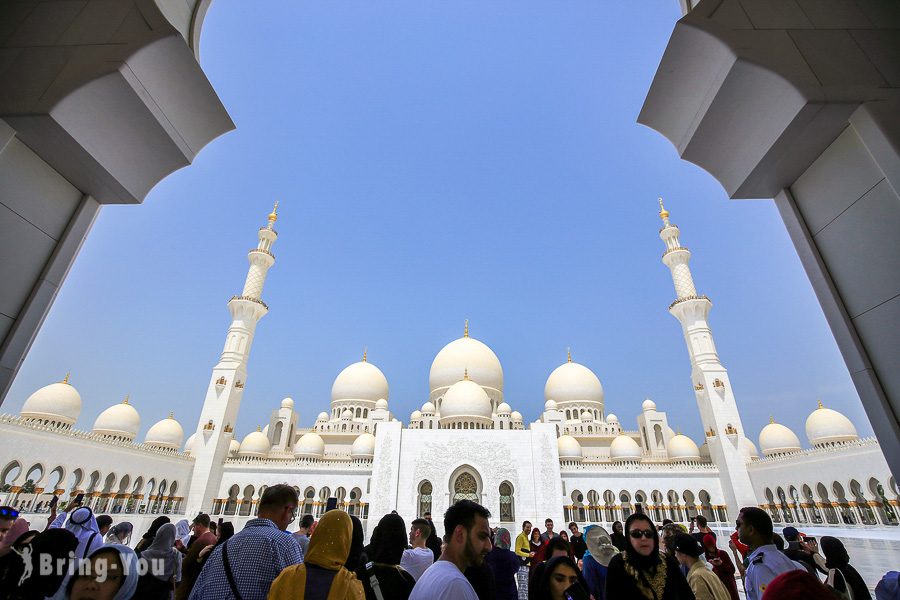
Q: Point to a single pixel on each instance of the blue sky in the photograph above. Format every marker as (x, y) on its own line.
(437, 162)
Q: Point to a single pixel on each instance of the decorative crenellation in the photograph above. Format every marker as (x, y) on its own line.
(687, 298)
(620, 467)
(869, 442)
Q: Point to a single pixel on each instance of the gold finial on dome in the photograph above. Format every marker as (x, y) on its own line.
(259, 428)
(466, 374)
(365, 354)
(771, 419)
(568, 355)
(171, 414)
(127, 396)
(663, 213)
(820, 403)
(66, 378)
(273, 216)
(466, 331)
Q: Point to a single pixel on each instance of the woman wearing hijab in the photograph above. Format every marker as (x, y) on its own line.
(182, 535)
(164, 566)
(147, 538)
(721, 564)
(384, 559)
(120, 533)
(322, 575)
(641, 572)
(113, 574)
(539, 549)
(618, 537)
(55, 543)
(355, 556)
(593, 572)
(560, 574)
(504, 564)
(836, 557)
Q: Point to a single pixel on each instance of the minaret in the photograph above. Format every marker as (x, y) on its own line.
(226, 385)
(718, 409)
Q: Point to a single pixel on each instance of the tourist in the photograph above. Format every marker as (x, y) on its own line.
(797, 551)
(525, 554)
(560, 574)
(147, 538)
(701, 529)
(57, 544)
(199, 527)
(577, 541)
(467, 539)
(721, 565)
(504, 564)
(641, 572)
(383, 568)
(84, 526)
(302, 533)
(434, 540)
(182, 535)
(323, 574)
(548, 534)
(797, 585)
(104, 522)
(418, 557)
(764, 561)
(538, 550)
(12, 534)
(704, 583)
(255, 556)
(552, 549)
(564, 535)
(8, 516)
(120, 533)
(356, 556)
(159, 582)
(618, 536)
(193, 562)
(836, 558)
(593, 571)
(112, 575)
(889, 586)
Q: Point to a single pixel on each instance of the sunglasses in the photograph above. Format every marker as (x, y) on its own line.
(639, 533)
(8, 512)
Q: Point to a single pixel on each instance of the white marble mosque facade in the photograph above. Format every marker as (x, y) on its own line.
(574, 462)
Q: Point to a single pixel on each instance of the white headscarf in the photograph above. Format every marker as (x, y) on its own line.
(163, 548)
(183, 531)
(83, 524)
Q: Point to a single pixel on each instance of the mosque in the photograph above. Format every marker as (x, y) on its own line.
(574, 462)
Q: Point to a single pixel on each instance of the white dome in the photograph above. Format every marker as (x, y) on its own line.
(550, 405)
(189, 444)
(416, 415)
(381, 404)
(466, 354)
(516, 416)
(587, 416)
(826, 426)
(704, 451)
(119, 420)
(347, 414)
(255, 444)
(504, 409)
(166, 433)
(265, 431)
(572, 382)
(569, 448)
(466, 399)
(323, 416)
(287, 403)
(612, 418)
(310, 445)
(233, 447)
(56, 402)
(681, 447)
(648, 404)
(363, 446)
(360, 381)
(624, 448)
(428, 408)
(750, 450)
(775, 438)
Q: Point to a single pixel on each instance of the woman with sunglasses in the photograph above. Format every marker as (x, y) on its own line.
(641, 572)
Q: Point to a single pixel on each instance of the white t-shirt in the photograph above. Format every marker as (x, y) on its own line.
(416, 560)
(443, 581)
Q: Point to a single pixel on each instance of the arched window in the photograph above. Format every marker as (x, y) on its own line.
(465, 487)
(507, 514)
(425, 490)
(657, 432)
(279, 428)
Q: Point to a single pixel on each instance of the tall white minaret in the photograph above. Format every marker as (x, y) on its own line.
(718, 409)
(226, 385)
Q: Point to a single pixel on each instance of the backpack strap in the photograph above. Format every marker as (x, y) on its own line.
(228, 573)
(373, 581)
(87, 547)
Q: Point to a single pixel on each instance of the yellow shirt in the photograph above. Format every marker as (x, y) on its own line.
(523, 548)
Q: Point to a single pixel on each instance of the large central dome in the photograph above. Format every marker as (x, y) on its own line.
(461, 355)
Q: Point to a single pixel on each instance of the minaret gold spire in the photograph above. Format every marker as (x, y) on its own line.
(66, 378)
(466, 332)
(365, 353)
(663, 213)
(273, 216)
(568, 355)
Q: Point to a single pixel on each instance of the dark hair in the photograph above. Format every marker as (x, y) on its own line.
(388, 547)
(534, 532)
(573, 523)
(701, 520)
(278, 496)
(226, 530)
(202, 519)
(356, 546)
(557, 543)
(524, 523)
(686, 544)
(306, 521)
(619, 523)
(422, 526)
(548, 520)
(104, 521)
(758, 519)
(463, 513)
(667, 522)
(778, 541)
(427, 513)
(543, 585)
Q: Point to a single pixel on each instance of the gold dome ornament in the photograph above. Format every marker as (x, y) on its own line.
(663, 213)
(273, 216)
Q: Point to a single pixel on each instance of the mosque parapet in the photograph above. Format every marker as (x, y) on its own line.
(646, 467)
(289, 461)
(819, 451)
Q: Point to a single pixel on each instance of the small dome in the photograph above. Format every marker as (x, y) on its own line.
(119, 420)
(234, 447)
(827, 426)
(750, 450)
(381, 404)
(624, 448)
(465, 354)
(516, 416)
(681, 447)
(265, 431)
(775, 438)
(363, 446)
(56, 402)
(189, 444)
(550, 405)
(704, 451)
(428, 408)
(310, 445)
(466, 399)
(287, 403)
(612, 418)
(504, 409)
(569, 448)
(347, 414)
(648, 404)
(572, 382)
(587, 416)
(360, 381)
(323, 416)
(416, 415)
(255, 444)
(166, 433)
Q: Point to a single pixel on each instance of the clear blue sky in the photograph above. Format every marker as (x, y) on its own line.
(436, 162)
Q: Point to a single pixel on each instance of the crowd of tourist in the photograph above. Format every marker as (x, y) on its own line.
(82, 556)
